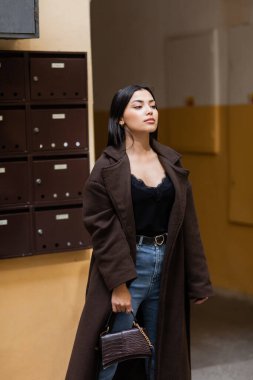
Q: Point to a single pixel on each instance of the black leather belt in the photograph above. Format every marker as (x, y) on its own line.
(151, 240)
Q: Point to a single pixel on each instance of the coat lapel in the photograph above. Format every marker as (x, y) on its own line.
(117, 180)
(179, 176)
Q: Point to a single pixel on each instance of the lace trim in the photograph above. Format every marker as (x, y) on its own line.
(150, 187)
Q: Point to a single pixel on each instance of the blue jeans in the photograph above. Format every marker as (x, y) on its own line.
(145, 290)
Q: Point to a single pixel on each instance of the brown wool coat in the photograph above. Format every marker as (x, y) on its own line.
(108, 216)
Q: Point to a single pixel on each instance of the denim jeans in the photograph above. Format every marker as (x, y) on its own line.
(144, 291)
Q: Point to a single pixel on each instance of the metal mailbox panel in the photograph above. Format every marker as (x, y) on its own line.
(60, 230)
(15, 235)
(14, 183)
(57, 180)
(12, 130)
(58, 78)
(12, 78)
(57, 129)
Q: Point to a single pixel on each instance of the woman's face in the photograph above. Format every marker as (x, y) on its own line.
(140, 114)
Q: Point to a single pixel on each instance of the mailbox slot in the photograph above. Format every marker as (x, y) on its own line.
(60, 230)
(12, 130)
(59, 129)
(58, 180)
(12, 77)
(58, 77)
(14, 182)
(15, 232)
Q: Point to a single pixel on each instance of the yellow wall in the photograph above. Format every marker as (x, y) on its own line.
(41, 297)
(228, 245)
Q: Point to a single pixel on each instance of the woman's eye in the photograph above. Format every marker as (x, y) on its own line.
(154, 107)
(137, 107)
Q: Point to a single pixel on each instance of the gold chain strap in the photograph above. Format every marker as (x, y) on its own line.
(143, 333)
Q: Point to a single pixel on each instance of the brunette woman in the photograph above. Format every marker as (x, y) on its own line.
(147, 252)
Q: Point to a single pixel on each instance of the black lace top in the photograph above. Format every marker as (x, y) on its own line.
(152, 206)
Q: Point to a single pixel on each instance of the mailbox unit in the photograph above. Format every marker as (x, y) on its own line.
(44, 152)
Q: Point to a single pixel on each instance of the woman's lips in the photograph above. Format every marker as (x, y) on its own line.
(150, 121)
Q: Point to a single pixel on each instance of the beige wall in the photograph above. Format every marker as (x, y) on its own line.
(41, 297)
(136, 48)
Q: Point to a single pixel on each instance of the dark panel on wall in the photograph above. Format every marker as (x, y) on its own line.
(19, 19)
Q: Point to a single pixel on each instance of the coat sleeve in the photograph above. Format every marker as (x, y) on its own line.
(197, 276)
(110, 247)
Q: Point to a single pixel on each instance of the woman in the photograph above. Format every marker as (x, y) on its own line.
(147, 253)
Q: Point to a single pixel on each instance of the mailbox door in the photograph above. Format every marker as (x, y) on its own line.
(58, 180)
(15, 233)
(14, 183)
(60, 230)
(58, 78)
(12, 130)
(59, 129)
(12, 78)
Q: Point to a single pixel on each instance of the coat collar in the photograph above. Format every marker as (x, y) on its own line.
(117, 153)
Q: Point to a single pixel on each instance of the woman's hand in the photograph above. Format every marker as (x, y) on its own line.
(121, 299)
(199, 301)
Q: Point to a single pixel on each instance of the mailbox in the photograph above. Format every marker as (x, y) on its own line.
(12, 130)
(15, 232)
(14, 182)
(60, 230)
(59, 129)
(59, 180)
(58, 77)
(44, 151)
(12, 77)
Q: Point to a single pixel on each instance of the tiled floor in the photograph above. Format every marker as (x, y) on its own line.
(222, 339)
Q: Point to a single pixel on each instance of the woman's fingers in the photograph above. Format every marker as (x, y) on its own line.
(121, 307)
(121, 299)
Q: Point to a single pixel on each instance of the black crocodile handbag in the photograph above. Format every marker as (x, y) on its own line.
(127, 344)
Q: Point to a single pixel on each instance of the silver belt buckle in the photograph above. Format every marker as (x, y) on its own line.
(158, 241)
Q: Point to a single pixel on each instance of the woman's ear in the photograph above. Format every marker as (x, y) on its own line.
(121, 122)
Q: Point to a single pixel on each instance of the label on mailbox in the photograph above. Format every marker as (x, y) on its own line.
(2, 170)
(60, 167)
(3, 222)
(1, 117)
(58, 116)
(58, 65)
(62, 216)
